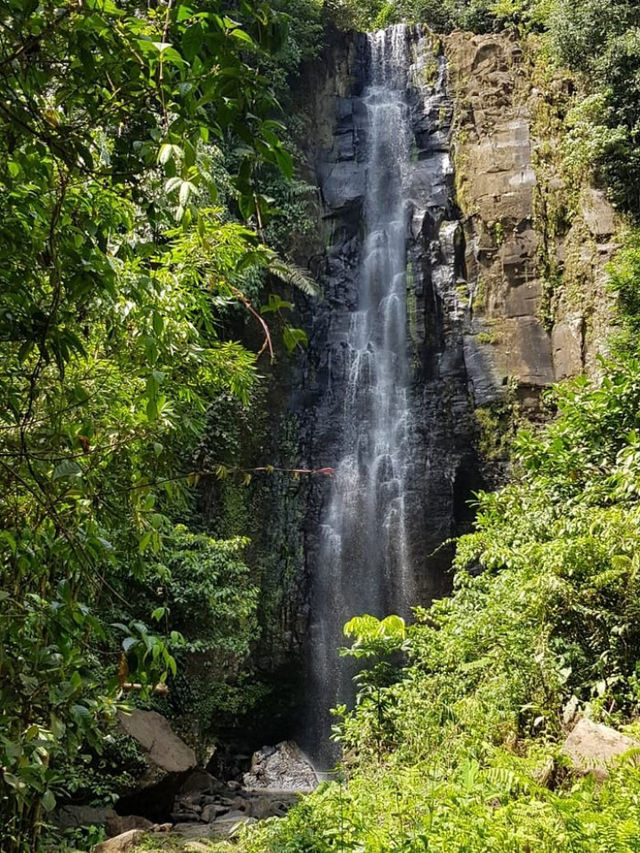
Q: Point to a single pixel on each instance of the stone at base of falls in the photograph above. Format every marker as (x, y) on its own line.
(70, 817)
(283, 767)
(592, 748)
(162, 745)
(199, 781)
(215, 800)
(119, 824)
(121, 843)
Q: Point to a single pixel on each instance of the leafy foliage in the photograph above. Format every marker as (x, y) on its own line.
(123, 128)
(443, 16)
(204, 592)
(464, 754)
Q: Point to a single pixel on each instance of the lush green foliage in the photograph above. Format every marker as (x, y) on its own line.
(203, 590)
(135, 138)
(624, 274)
(478, 806)
(458, 750)
(131, 134)
(441, 15)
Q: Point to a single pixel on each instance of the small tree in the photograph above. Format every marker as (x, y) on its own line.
(376, 641)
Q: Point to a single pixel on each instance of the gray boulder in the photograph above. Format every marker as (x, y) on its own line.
(118, 824)
(593, 748)
(162, 745)
(169, 763)
(70, 817)
(121, 843)
(281, 768)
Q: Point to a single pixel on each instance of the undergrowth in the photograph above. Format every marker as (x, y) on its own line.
(460, 748)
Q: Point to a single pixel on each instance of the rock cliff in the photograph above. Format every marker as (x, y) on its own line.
(505, 294)
(535, 260)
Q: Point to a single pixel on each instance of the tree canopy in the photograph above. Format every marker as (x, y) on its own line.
(131, 135)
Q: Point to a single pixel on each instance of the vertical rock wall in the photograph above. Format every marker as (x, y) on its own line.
(439, 467)
(535, 267)
(495, 188)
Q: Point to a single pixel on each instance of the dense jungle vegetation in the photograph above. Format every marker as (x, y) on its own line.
(149, 196)
(136, 142)
(459, 748)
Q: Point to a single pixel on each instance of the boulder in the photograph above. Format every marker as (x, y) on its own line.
(70, 817)
(162, 745)
(213, 811)
(121, 843)
(592, 747)
(226, 826)
(265, 804)
(220, 829)
(117, 824)
(200, 782)
(169, 762)
(282, 768)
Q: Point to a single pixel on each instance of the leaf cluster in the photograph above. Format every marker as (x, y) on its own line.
(459, 748)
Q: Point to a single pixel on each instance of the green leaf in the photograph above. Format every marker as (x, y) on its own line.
(294, 337)
(184, 12)
(128, 643)
(242, 36)
(145, 541)
(275, 304)
(186, 190)
(192, 40)
(67, 469)
(48, 800)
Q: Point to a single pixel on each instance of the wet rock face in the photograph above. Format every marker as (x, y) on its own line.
(584, 307)
(517, 221)
(387, 394)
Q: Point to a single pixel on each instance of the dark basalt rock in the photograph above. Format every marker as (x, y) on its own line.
(444, 470)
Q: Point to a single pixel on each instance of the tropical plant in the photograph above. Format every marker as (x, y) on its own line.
(117, 267)
(544, 616)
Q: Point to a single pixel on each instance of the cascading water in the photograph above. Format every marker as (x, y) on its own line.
(378, 420)
(364, 536)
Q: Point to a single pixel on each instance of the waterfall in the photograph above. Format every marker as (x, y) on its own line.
(364, 535)
(388, 185)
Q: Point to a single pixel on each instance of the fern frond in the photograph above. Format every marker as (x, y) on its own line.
(295, 276)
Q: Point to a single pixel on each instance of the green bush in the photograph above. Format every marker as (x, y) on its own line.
(459, 748)
(204, 591)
